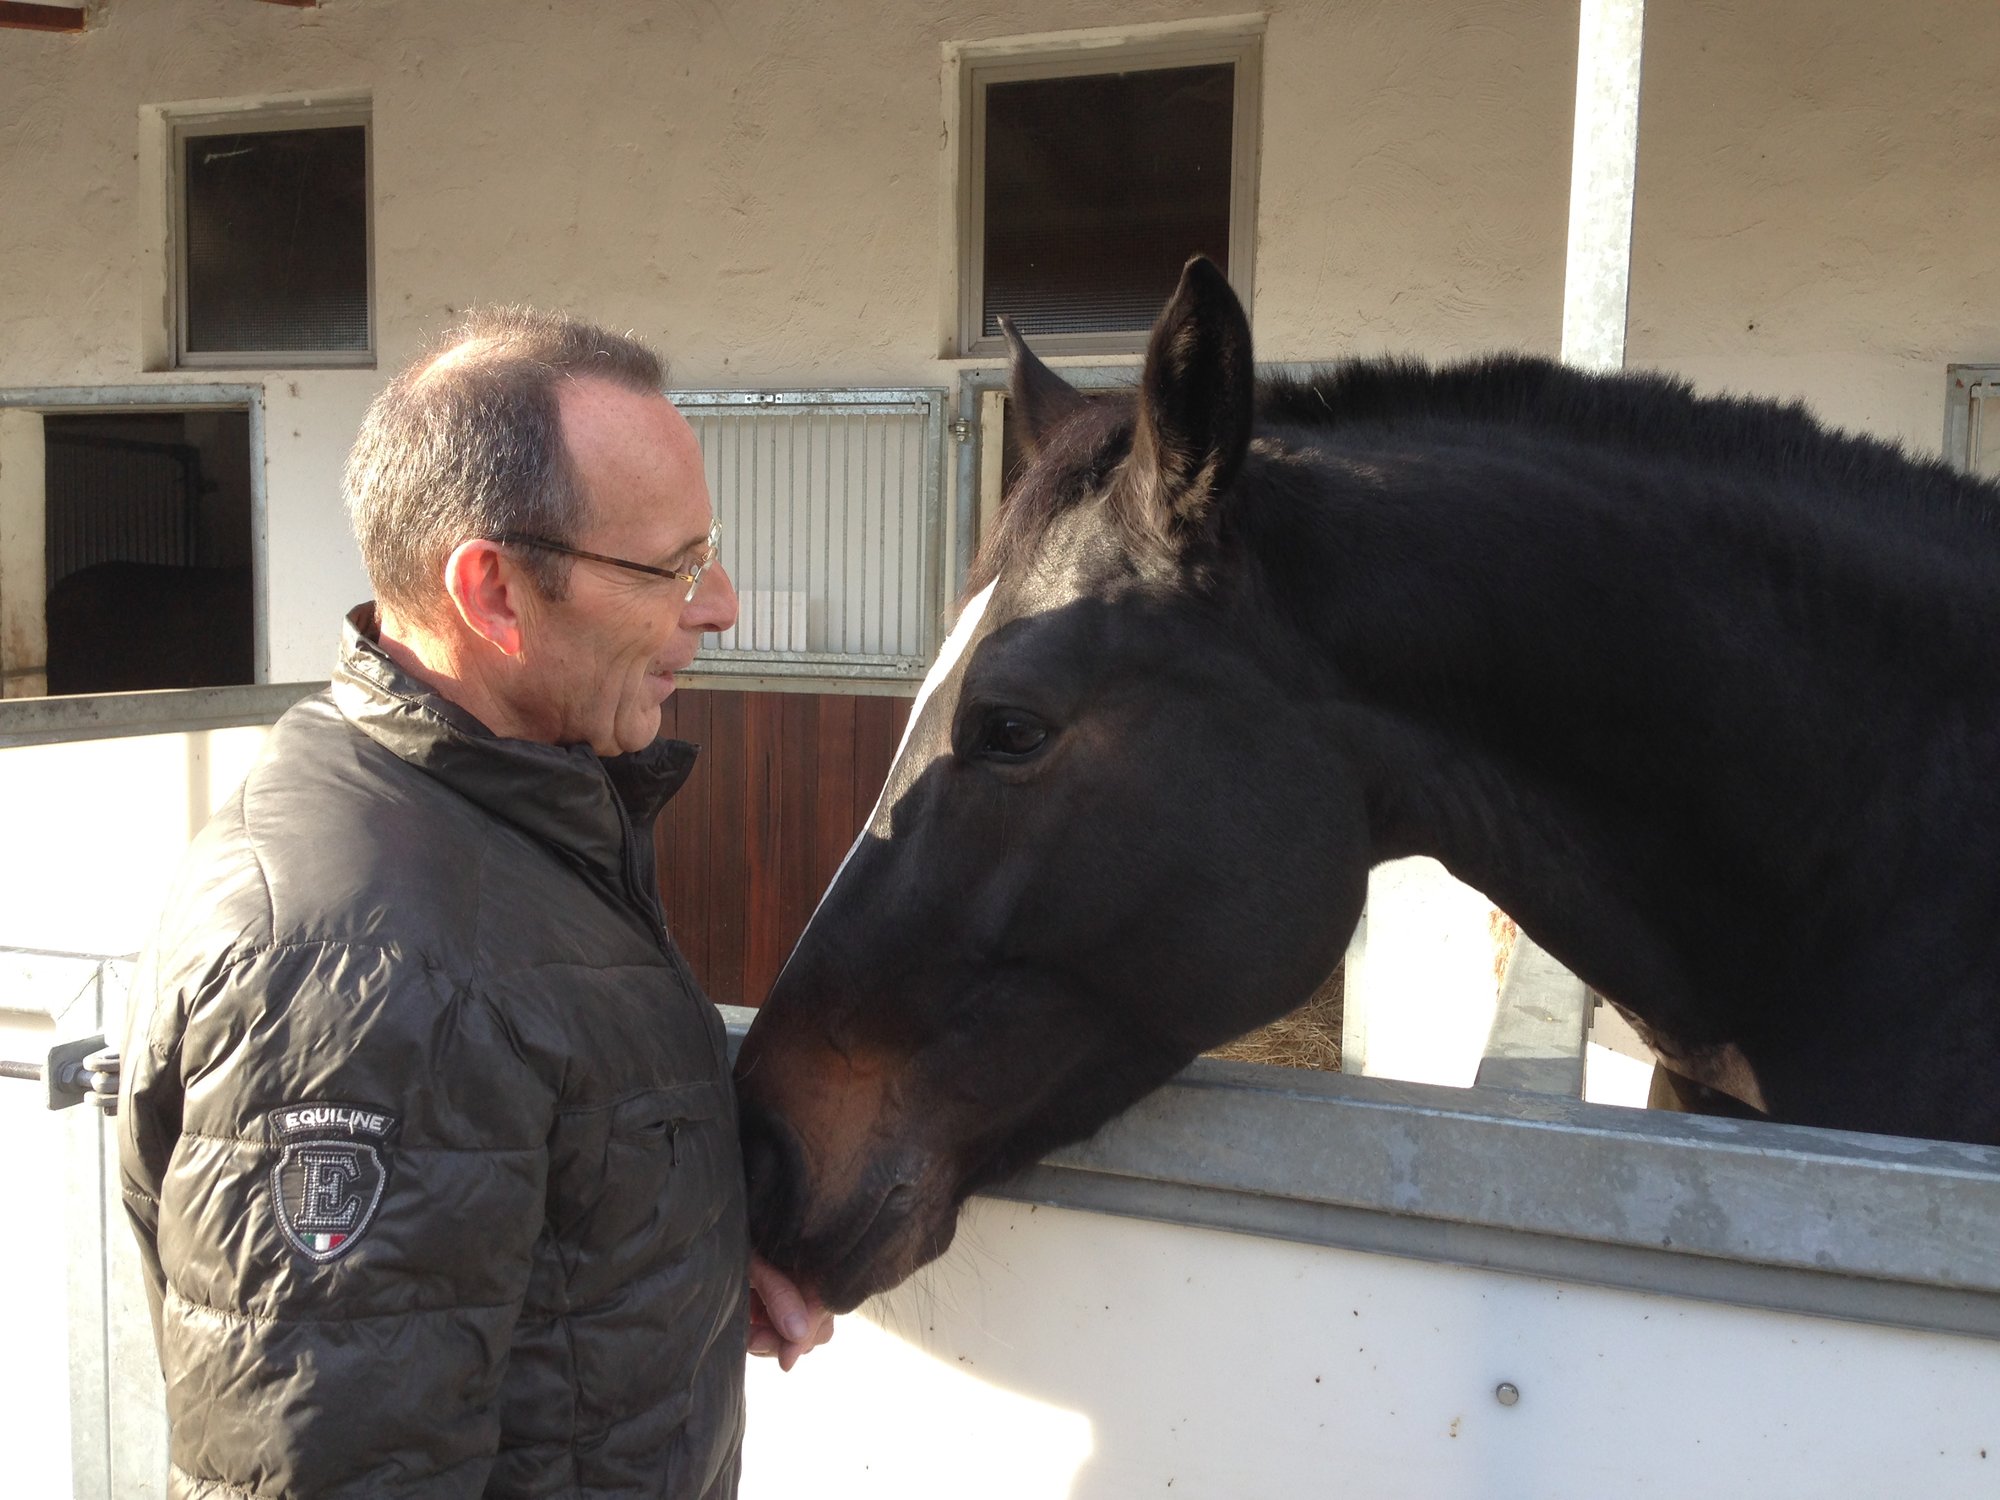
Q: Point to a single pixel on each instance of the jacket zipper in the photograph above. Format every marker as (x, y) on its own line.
(646, 903)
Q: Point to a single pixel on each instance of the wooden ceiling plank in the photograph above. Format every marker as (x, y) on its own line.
(41, 17)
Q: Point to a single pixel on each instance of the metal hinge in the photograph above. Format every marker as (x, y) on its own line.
(960, 428)
(75, 1071)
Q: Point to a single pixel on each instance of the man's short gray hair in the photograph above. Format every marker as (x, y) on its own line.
(467, 442)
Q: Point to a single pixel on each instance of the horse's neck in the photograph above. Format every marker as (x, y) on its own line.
(1625, 724)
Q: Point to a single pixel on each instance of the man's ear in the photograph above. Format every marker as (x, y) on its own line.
(486, 590)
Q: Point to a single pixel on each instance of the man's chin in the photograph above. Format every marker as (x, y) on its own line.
(631, 732)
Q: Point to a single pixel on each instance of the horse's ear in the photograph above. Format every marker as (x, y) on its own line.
(1195, 398)
(1042, 400)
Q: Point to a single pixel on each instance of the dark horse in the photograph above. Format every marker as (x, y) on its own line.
(1707, 697)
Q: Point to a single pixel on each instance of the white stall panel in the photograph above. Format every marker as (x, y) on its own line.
(1063, 1354)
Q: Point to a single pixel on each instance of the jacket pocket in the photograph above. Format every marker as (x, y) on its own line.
(655, 1182)
(655, 1120)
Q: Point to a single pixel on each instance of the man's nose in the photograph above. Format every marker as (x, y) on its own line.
(714, 604)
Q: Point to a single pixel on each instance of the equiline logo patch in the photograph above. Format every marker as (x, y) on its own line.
(330, 1174)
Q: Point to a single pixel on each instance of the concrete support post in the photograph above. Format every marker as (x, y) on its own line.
(1420, 997)
(1604, 165)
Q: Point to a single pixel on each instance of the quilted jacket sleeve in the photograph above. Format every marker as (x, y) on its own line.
(336, 1163)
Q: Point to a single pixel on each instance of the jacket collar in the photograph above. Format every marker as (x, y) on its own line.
(564, 795)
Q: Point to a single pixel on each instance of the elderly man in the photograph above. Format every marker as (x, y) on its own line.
(427, 1133)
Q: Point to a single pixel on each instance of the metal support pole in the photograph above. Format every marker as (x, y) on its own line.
(1603, 173)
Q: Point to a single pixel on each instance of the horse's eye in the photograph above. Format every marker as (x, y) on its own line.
(1009, 735)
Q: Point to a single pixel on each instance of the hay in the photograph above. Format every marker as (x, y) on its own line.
(1505, 932)
(1307, 1038)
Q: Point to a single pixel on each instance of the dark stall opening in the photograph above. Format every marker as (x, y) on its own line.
(149, 551)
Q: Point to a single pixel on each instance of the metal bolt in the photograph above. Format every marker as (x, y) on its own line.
(1506, 1393)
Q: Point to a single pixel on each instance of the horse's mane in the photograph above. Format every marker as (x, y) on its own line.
(1656, 415)
(1635, 412)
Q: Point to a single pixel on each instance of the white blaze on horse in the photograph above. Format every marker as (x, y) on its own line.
(1706, 696)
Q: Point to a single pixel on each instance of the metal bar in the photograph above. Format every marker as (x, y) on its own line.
(767, 530)
(877, 401)
(165, 396)
(847, 590)
(825, 572)
(746, 514)
(932, 520)
(906, 550)
(99, 959)
(260, 544)
(1603, 175)
(861, 633)
(773, 577)
(1540, 1029)
(41, 721)
(882, 540)
(1871, 1228)
(801, 531)
(89, 1289)
(722, 658)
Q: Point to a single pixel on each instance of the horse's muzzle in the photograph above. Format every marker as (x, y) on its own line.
(774, 1182)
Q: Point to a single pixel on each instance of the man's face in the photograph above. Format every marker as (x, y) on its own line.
(598, 665)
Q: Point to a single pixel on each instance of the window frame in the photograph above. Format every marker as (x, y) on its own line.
(260, 120)
(1081, 56)
(117, 400)
(1967, 390)
(826, 670)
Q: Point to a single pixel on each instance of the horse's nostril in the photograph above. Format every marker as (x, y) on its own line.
(771, 1180)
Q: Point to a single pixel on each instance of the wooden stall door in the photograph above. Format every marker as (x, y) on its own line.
(784, 782)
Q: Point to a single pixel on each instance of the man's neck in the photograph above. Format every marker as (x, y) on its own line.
(441, 665)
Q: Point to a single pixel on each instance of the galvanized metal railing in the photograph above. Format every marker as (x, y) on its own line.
(78, 992)
(120, 499)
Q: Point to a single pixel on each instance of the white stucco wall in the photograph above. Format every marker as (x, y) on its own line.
(763, 188)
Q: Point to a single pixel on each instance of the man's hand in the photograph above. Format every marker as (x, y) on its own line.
(784, 1320)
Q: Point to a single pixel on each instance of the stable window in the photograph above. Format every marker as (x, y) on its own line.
(130, 538)
(1091, 175)
(272, 238)
(831, 505)
(147, 548)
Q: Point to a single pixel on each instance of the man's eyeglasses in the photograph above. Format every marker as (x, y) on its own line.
(690, 575)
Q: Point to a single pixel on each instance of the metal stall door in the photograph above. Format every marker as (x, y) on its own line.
(79, 1359)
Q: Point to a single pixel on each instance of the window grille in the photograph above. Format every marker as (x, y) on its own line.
(1972, 418)
(273, 248)
(119, 499)
(831, 505)
(1091, 175)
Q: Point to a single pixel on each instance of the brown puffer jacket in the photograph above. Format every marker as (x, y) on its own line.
(426, 1128)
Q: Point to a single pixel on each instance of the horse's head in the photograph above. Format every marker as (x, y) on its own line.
(1087, 865)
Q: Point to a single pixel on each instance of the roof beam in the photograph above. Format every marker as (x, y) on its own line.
(41, 17)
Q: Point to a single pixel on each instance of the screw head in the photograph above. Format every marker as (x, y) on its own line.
(1506, 1393)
